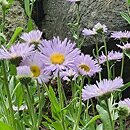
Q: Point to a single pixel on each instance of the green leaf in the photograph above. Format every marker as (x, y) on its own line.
(68, 106)
(104, 118)
(12, 69)
(100, 127)
(125, 86)
(57, 125)
(91, 121)
(27, 7)
(2, 37)
(53, 99)
(29, 25)
(4, 126)
(17, 32)
(128, 1)
(125, 16)
(10, 1)
(19, 95)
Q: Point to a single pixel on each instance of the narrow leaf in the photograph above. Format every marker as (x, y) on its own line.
(17, 31)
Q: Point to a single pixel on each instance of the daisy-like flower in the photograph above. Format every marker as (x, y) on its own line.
(121, 35)
(124, 107)
(36, 68)
(16, 53)
(33, 37)
(125, 102)
(112, 56)
(69, 75)
(99, 28)
(89, 32)
(101, 88)
(125, 46)
(58, 55)
(85, 65)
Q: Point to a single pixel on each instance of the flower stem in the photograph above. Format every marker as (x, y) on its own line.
(8, 96)
(60, 92)
(80, 106)
(41, 102)
(97, 51)
(121, 124)
(105, 46)
(109, 113)
(122, 64)
(31, 108)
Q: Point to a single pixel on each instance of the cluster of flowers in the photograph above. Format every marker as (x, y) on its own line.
(105, 87)
(42, 59)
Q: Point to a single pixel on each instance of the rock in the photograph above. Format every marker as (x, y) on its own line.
(15, 18)
(60, 12)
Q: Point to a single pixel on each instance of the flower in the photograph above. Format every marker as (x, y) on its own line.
(88, 32)
(125, 46)
(17, 52)
(121, 35)
(69, 75)
(32, 37)
(100, 28)
(36, 67)
(112, 56)
(125, 102)
(85, 65)
(73, 0)
(101, 88)
(124, 107)
(58, 55)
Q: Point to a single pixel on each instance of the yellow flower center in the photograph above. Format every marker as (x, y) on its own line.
(85, 67)
(35, 70)
(57, 58)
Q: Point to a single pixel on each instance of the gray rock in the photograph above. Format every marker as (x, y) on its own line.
(60, 12)
(15, 18)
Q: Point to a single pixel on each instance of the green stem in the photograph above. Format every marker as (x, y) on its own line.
(41, 99)
(121, 123)
(31, 108)
(61, 101)
(97, 51)
(80, 106)
(109, 113)
(122, 64)
(105, 46)
(8, 96)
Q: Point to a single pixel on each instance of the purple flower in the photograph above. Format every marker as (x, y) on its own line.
(101, 88)
(85, 65)
(112, 56)
(16, 52)
(89, 32)
(123, 36)
(69, 75)
(125, 103)
(73, 0)
(24, 72)
(125, 46)
(33, 37)
(58, 55)
(36, 65)
(98, 28)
